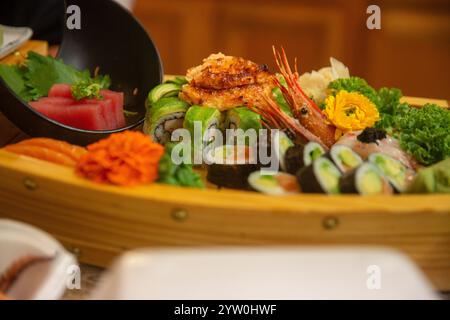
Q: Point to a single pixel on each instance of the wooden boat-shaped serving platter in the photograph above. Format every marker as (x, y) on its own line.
(98, 222)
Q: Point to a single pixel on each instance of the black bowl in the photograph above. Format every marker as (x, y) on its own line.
(111, 39)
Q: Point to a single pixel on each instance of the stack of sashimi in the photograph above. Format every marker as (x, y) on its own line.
(87, 114)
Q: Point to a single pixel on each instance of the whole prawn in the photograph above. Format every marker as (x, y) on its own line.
(308, 122)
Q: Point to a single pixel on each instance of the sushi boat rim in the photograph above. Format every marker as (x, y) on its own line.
(40, 171)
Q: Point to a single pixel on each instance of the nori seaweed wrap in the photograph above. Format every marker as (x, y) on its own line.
(231, 166)
(365, 180)
(297, 157)
(321, 176)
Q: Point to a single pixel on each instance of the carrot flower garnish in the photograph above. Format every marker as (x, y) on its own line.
(126, 159)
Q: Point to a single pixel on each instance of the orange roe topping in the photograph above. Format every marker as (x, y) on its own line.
(126, 159)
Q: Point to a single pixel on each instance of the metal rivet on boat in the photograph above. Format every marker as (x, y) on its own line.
(179, 214)
(330, 223)
(30, 184)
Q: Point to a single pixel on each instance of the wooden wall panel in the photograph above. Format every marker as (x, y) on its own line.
(309, 32)
(180, 29)
(411, 51)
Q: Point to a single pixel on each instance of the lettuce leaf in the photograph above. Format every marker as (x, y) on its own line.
(355, 84)
(423, 132)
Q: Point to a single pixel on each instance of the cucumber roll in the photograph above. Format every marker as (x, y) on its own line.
(231, 166)
(277, 184)
(297, 157)
(242, 118)
(321, 176)
(344, 158)
(365, 180)
(164, 117)
(396, 173)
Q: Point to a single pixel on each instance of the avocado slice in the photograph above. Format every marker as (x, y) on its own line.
(164, 90)
(371, 183)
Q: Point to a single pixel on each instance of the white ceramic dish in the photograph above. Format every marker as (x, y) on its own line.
(264, 273)
(13, 38)
(45, 281)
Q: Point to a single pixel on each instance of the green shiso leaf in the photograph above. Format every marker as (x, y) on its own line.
(34, 79)
(14, 78)
(43, 72)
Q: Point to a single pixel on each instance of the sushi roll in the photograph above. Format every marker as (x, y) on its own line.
(365, 180)
(164, 117)
(242, 118)
(395, 171)
(277, 184)
(297, 157)
(284, 144)
(206, 121)
(209, 118)
(321, 176)
(230, 166)
(344, 158)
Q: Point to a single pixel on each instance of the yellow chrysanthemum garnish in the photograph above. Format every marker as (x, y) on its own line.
(350, 111)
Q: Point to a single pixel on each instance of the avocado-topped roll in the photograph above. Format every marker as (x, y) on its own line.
(164, 90)
(164, 117)
(321, 176)
(365, 180)
(297, 157)
(396, 173)
(242, 118)
(206, 117)
(344, 158)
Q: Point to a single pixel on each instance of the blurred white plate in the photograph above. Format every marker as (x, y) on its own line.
(44, 281)
(264, 273)
(13, 38)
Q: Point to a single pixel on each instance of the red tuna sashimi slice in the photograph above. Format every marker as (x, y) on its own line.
(54, 112)
(87, 116)
(107, 111)
(60, 90)
(58, 101)
(81, 116)
(118, 102)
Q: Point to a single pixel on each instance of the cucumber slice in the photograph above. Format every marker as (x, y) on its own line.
(164, 90)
